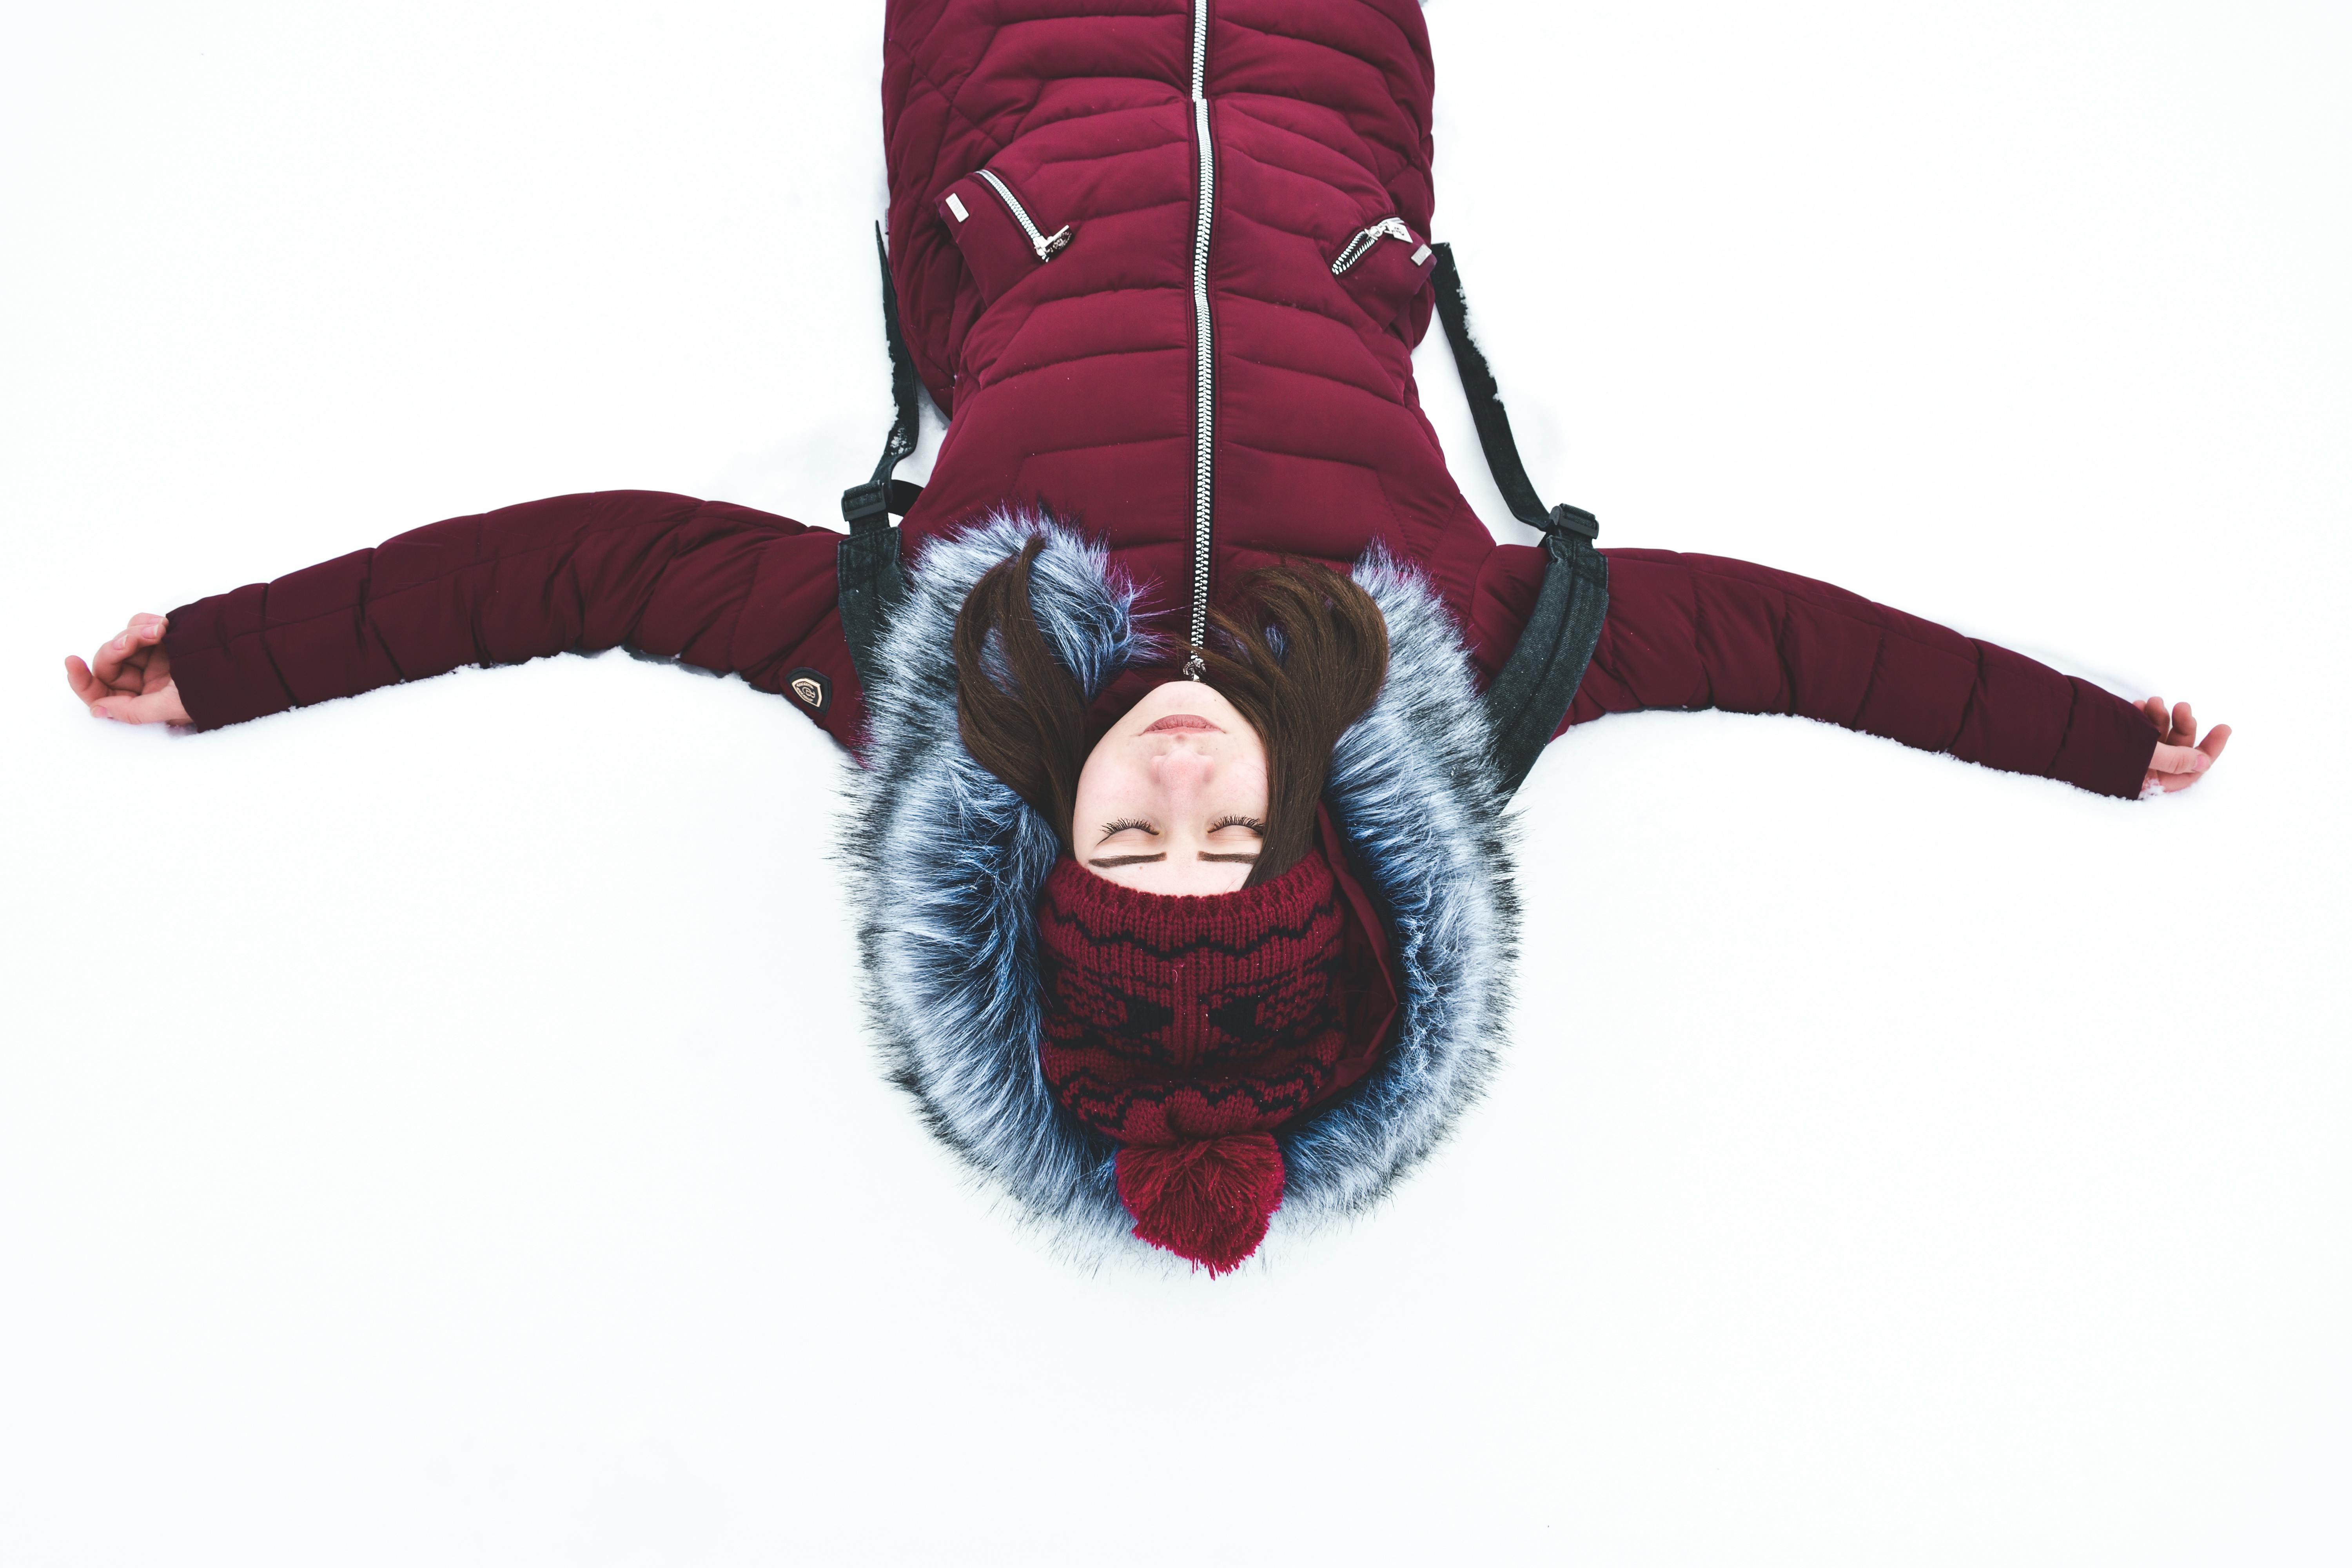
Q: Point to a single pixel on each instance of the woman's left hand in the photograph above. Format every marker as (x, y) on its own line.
(2179, 759)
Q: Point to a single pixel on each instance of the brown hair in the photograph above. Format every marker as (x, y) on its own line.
(1301, 654)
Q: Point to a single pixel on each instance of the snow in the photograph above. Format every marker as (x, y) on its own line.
(434, 1127)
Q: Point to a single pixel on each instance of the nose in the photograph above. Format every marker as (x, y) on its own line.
(1182, 768)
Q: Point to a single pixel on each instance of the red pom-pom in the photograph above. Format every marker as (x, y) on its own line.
(1208, 1201)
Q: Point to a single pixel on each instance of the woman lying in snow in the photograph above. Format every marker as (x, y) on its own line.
(1183, 889)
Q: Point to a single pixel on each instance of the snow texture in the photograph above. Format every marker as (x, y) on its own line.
(439, 1127)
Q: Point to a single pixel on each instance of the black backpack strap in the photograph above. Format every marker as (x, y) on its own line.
(867, 560)
(1532, 691)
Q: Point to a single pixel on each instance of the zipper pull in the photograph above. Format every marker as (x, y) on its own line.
(1365, 238)
(1047, 246)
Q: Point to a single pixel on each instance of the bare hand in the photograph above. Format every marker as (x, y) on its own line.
(2179, 759)
(131, 678)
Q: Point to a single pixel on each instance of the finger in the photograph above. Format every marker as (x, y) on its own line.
(126, 709)
(107, 663)
(140, 642)
(155, 708)
(2174, 768)
(2184, 725)
(123, 664)
(88, 686)
(2158, 715)
(2213, 744)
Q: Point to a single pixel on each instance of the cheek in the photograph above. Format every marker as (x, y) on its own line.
(1106, 789)
(1249, 774)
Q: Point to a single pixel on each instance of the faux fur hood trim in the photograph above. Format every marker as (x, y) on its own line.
(947, 864)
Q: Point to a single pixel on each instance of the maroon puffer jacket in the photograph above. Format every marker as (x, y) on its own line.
(1163, 263)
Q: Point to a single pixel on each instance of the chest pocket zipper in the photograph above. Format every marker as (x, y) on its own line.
(1047, 246)
(1384, 279)
(1000, 243)
(1362, 241)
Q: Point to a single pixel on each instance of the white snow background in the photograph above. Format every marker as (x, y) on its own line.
(435, 1127)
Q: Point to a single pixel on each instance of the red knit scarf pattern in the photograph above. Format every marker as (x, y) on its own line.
(1187, 1029)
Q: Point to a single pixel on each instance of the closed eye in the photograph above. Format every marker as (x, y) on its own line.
(1126, 824)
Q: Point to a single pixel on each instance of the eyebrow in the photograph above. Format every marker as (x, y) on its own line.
(1113, 862)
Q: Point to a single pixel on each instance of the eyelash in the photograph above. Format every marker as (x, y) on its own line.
(1124, 823)
(1252, 823)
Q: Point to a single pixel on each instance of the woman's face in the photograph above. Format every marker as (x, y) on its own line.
(1173, 799)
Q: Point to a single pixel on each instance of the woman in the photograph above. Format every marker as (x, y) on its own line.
(1183, 889)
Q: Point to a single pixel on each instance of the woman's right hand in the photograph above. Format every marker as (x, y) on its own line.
(131, 677)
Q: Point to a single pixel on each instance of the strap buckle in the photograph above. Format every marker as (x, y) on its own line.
(1567, 518)
(870, 500)
(877, 498)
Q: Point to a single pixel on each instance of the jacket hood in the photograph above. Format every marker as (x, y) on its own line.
(947, 864)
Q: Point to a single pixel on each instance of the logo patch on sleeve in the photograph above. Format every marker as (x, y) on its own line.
(812, 688)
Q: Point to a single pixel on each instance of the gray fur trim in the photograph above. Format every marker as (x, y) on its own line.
(946, 864)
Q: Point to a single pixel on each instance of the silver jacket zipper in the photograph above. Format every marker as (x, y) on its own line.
(1365, 238)
(1204, 366)
(1045, 244)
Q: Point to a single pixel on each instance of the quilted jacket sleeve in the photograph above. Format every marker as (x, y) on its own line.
(720, 587)
(1701, 631)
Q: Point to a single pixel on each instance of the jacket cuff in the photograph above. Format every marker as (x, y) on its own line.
(219, 662)
(2107, 747)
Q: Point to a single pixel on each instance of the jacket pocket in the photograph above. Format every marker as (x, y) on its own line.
(1001, 240)
(1384, 267)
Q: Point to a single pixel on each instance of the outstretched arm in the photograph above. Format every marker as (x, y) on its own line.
(721, 587)
(1703, 631)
